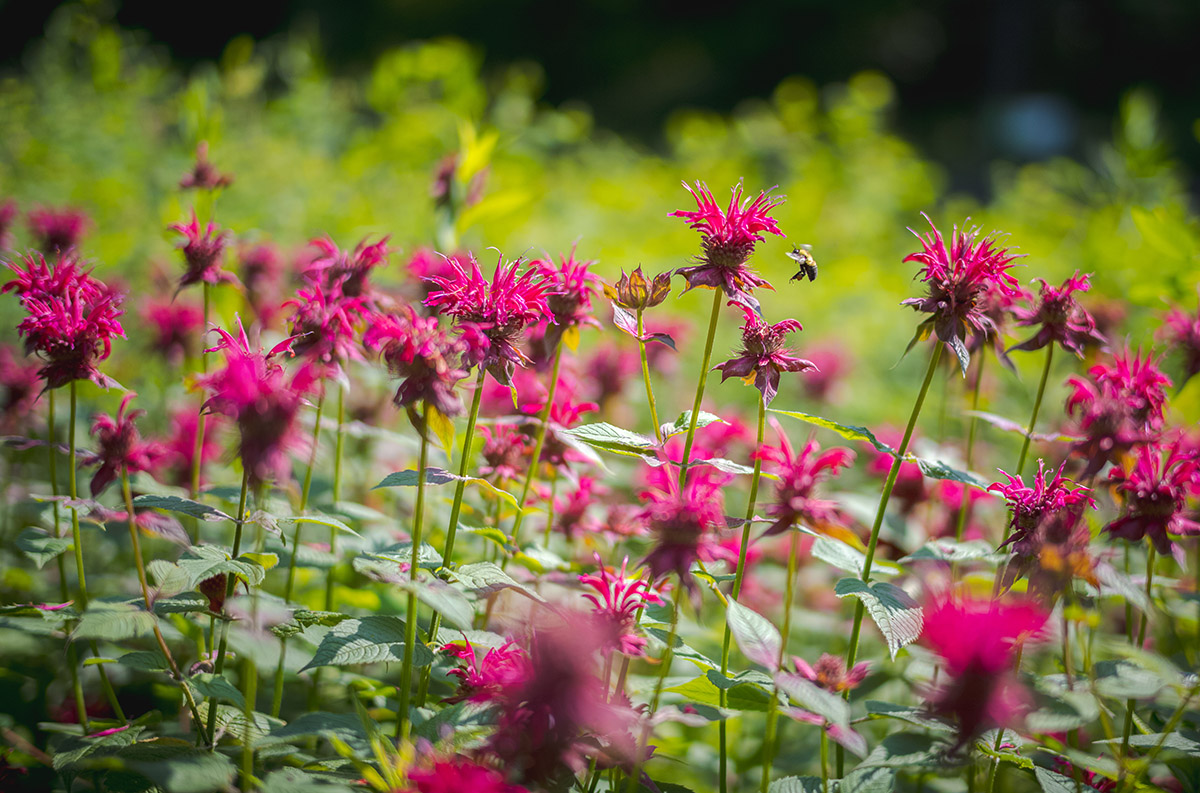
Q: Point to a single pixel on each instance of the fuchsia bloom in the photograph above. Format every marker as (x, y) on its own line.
(571, 289)
(420, 354)
(728, 237)
(830, 672)
(799, 475)
(1155, 489)
(204, 175)
(344, 274)
(683, 524)
(763, 355)
(1062, 320)
(1181, 329)
(457, 775)
(325, 328)
(120, 446)
(8, 214)
(504, 451)
(609, 368)
(262, 276)
(255, 392)
(910, 488)
(998, 304)
(572, 514)
(174, 325)
(976, 640)
(962, 280)
(180, 445)
(1032, 505)
(202, 252)
(493, 679)
(57, 230)
(500, 308)
(20, 386)
(830, 364)
(617, 601)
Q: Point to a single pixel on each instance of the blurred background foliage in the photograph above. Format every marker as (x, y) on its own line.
(100, 118)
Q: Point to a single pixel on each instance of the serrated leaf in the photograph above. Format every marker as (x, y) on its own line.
(113, 622)
(727, 466)
(217, 687)
(319, 724)
(320, 520)
(868, 780)
(848, 431)
(207, 561)
(188, 603)
(440, 476)
(428, 557)
(899, 617)
(491, 534)
(233, 721)
(297, 780)
(951, 551)
(756, 637)
(444, 599)
(797, 784)
(611, 438)
(1126, 680)
(74, 748)
(366, 640)
(1053, 782)
(937, 469)
(845, 557)
(1114, 582)
(741, 696)
(40, 546)
(175, 766)
(145, 660)
(486, 578)
(915, 716)
(183, 506)
(1186, 741)
(681, 649)
(1008, 425)
(168, 578)
(808, 695)
(680, 425)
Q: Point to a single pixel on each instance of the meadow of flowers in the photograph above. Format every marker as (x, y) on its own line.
(430, 508)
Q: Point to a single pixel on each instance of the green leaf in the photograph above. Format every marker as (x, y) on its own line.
(320, 520)
(728, 466)
(296, 780)
(491, 534)
(40, 546)
(113, 622)
(145, 660)
(1008, 425)
(188, 603)
(613, 439)
(366, 640)
(680, 650)
(680, 425)
(74, 748)
(845, 557)
(486, 578)
(1063, 709)
(175, 766)
(1053, 782)
(444, 599)
(847, 431)
(216, 686)
(1112, 582)
(917, 716)
(937, 469)
(428, 557)
(812, 697)
(206, 561)
(869, 780)
(168, 578)
(756, 637)
(899, 617)
(233, 722)
(741, 696)
(183, 506)
(1126, 680)
(319, 724)
(951, 551)
(1186, 741)
(907, 749)
(797, 784)
(440, 476)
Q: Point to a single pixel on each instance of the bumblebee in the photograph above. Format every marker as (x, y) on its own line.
(803, 258)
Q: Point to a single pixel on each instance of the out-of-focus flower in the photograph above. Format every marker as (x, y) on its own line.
(493, 678)
(458, 775)
(1031, 506)
(426, 263)
(1181, 330)
(262, 276)
(682, 524)
(795, 490)
(608, 369)
(8, 215)
(961, 280)
(949, 496)
(764, 355)
(910, 488)
(57, 230)
(204, 175)
(571, 288)
(345, 273)
(976, 640)
(830, 364)
(420, 354)
(202, 252)
(830, 673)
(325, 328)
(19, 388)
(727, 239)
(504, 451)
(1057, 553)
(500, 308)
(625, 520)
(999, 305)
(175, 325)
(1155, 489)
(617, 601)
(120, 446)
(572, 513)
(180, 445)
(634, 292)
(1060, 318)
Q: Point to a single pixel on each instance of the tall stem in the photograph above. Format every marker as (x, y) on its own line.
(1037, 406)
(410, 614)
(873, 542)
(773, 707)
(668, 654)
(650, 393)
(198, 449)
(538, 443)
(708, 345)
(1141, 641)
(338, 445)
(61, 562)
(230, 583)
(738, 576)
(289, 588)
(972, 428)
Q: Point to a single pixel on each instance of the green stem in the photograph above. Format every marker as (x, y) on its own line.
(773, 707)
(198, 448)
(1037, 405)
(61, 562)
(289, 588)
(677, 601)
(824, 762)
(650, 398)
(250, 668)
(972, 429)
(873, 542)
(1141, 641)
(738, 576)
(338, 445)
(708, 345)
(410, 615)
(538, 443)
(223, 629)
(1167, 731)
(550, 509)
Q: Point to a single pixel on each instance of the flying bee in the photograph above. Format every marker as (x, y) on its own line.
(803, 258)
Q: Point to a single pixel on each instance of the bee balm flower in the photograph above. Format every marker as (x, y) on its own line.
(1060, 317)
(422, 357)
(764, 355)
(119, 446)
(202, 252)
(617, 600)
(1156, 489)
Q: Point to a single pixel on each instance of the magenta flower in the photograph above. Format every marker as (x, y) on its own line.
(961, 281)
(204, 175)
(799, 475)
(1155, 489)
(345, 273)
(493, 679)
(262, 277)
(571, 289)
(120, 446)
(572, 514)
(727, 238)
(949, 496)
(20, 386)
(617, 601)
(8, 215)
(910, 488)
(1031, 506)
(37, 278)
(608, 369)
(202, 252)
(683, 524)
(500, 308)
(180, 445)
(976, 640)
(830, 673)
(504, 451)
(325, 328)
(1060, 317)
(420, 354)
(57, 230)
(764, 355)
(174, 326)
(457, 775)
(1181, 329)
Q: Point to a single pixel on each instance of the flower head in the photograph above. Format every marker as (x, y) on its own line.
(345, 274)
(961, 279)
(262, 276)
(19, 390)
(1031, 506)
(180, 444)
(1060, 317)
(1181, 329)
(608, 370)
(764, 355)
(325, 328)
(571, 289)
(119, 447)
(204, 175)
(799, 475)
(1155, 489)
(420, 354)
(617, 601)
(504, 451)
(493, 678)
(830, 673)
(727, 239)
(572, 514)
(500, 309)
(635, 293)
(683, 523)
(57, 230)
(174, 326)
(202, 252)
(459, 774)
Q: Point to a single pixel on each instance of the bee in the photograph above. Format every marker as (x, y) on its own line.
(803, 258)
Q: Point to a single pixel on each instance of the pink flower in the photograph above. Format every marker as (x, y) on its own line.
(727, 238)
(262, 276)
(19, 389)
(120, 446)
(325, 328)
(180, 445)
(976, 640)
(8, 214)
(1062, 320)
(1155, 489)
(910, 488)
(1031, 506)
(799, 475)
(174, 326)
(494, 678)
(572, 514)
(763, 355)
(204, 175)
(202, 252)
(57, 230)
(625, 520)
(961, 280)
(458, 775)
(949, 495)
(500, 308)
(1181, 329)
(830, 672)
(617, 602)
(420, 354)
(607, 371)
(345, 273)
(572, 288)
(683, 524)
(504, 451)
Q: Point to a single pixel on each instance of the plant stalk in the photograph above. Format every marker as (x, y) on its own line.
(708, 345)
(1037, 406)
(538, 443)
(650, 389)
(410, 614)
(230, 583)
(338, 446)
(1141, 641)
(635, 777)
(773, 707)
(973, 427)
